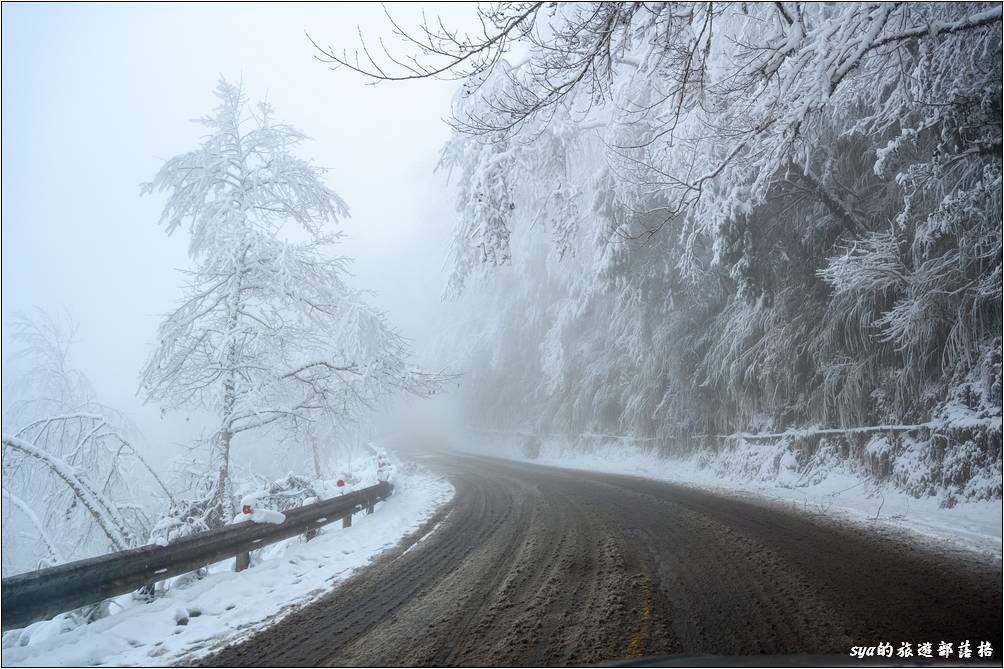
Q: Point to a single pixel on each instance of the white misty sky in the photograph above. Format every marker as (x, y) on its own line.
(96, 97)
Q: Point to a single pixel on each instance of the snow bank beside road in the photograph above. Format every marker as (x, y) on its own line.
(975, 526)
(198, 617)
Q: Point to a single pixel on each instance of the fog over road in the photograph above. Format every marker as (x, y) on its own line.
(539, 566)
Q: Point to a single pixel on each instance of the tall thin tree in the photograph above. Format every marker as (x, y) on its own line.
(268, 332)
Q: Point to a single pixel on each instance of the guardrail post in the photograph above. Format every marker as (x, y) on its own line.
(347, 520)
(243, 561)
(147, 592)
(309, 534)
(369, 507)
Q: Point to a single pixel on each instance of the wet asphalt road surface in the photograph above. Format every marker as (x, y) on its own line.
(535, 566)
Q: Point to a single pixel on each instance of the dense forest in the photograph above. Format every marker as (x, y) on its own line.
(686, 220)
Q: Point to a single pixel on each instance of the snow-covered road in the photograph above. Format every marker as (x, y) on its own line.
(539, 566)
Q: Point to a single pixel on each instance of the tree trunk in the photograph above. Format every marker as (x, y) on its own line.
(222, 502)
(317, 457)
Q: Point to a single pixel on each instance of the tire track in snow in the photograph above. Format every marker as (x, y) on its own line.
(534, 566)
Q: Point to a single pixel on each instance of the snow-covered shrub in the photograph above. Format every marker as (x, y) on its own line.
(191, 510)
(290, 492)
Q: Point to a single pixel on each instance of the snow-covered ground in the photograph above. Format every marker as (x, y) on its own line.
(975, 526)
(199, 616)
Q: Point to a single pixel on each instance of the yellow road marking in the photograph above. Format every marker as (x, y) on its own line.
(636, 648)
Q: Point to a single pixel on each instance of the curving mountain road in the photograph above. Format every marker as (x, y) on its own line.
(539, 566)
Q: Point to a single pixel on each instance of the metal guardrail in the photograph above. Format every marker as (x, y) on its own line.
(37, 595)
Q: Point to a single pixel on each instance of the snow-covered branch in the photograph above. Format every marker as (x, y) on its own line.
(102, 510)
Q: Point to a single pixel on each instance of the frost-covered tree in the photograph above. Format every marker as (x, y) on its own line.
(268, 333)
(699, 218)
(42, 380)
(73, 483)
